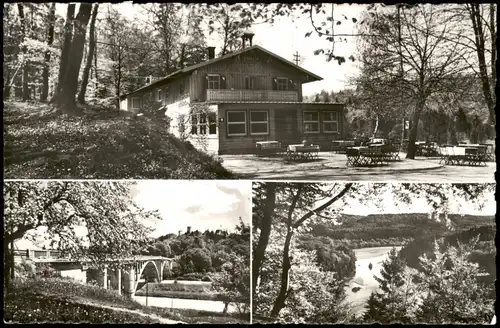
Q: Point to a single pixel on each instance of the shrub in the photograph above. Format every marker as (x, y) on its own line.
(193, 276)
(25, 269)
(44, 270)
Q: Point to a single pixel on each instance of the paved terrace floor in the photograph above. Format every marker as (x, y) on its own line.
(332, 166)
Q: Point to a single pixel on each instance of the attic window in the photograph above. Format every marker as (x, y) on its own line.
(158, 95)
(213, 81)
(249, 82)
(282, 83)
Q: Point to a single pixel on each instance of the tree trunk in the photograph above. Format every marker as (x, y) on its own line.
(6, 87)
(376, 128)
(265, 231)
(90, 56)
(119, 80)
(26, 91)
(283, 294)
(50, 40)
(66, 98)
(477, 23)
(412, 138)
(95, 69)
(226, 305)
(6, 261)
(68, 37)
(493, 34)
(12, 263)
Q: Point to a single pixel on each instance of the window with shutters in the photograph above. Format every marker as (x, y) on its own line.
(282, 83)
(236, 123)
(213, 81)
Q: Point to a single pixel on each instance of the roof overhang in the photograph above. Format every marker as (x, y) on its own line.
(311, 77)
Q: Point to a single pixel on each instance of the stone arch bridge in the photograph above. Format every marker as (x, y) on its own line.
(125, 277)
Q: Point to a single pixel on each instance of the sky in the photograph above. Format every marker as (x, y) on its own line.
(285, 38)
(419, 205)
(216, 205)
(199, 204)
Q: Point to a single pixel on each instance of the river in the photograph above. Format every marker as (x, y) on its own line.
(364, 276)
(178, 303)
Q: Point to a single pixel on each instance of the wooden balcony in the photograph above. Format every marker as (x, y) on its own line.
(251, 95)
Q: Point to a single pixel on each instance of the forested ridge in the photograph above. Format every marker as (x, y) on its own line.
(484, 254)
(200, 253)
(392, 229)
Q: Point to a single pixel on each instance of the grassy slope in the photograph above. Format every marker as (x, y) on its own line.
(39, 143)
(63, 300)
(182, 291)
(185, 291)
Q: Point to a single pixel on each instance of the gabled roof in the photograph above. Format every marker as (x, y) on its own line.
(191, 68)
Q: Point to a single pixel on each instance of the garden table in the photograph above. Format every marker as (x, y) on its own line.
(340, 146)
(302, 152)
(268, 147)
(463, 155)
(366, 156)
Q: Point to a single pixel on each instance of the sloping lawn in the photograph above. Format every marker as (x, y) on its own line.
(42, 144)
(64, 300)
(205, 317)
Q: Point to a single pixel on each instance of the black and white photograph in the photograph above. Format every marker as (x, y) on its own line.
(364, 253)
(249, 163)
(127, 252)
(264, 91)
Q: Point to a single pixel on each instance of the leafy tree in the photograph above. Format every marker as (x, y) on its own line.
(453, 292)
(296, 211)
(195, 260)
(94, 219)
(397, 299)
(233, 283)
(410, 51)
(163, 22)
(314, 295)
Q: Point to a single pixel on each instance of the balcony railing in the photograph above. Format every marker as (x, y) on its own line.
(251, 95)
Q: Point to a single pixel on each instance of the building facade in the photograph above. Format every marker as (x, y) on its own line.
(225, 105)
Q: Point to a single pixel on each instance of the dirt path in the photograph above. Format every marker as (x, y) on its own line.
(150, 315)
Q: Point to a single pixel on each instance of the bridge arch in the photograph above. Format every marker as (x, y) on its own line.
(158, 269)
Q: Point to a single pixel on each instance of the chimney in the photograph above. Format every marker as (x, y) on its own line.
(188, 229)
(179, 233)
(211, 52)
(247, 36)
